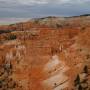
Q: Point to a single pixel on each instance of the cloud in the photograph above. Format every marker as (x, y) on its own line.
(34, 2)
(37, 8)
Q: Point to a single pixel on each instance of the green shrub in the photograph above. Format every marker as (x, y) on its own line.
(5, 31)
(11, 37)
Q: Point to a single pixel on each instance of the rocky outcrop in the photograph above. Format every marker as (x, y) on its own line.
(9, 64)
(55, 69)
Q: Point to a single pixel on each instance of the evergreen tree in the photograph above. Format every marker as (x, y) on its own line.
(77, 80)
(85, 69)
(80, 87)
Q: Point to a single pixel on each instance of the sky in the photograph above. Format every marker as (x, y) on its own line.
(43, 8)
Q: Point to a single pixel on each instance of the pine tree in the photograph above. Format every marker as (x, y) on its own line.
(80, 87)
(77, 80)
(85, 69)
(82, 84)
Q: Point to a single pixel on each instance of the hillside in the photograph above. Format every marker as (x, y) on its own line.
(50, 53)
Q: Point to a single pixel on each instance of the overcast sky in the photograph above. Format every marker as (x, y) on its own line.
(41, 8)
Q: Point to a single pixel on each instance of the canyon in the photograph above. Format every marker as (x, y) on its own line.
(51, 53)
